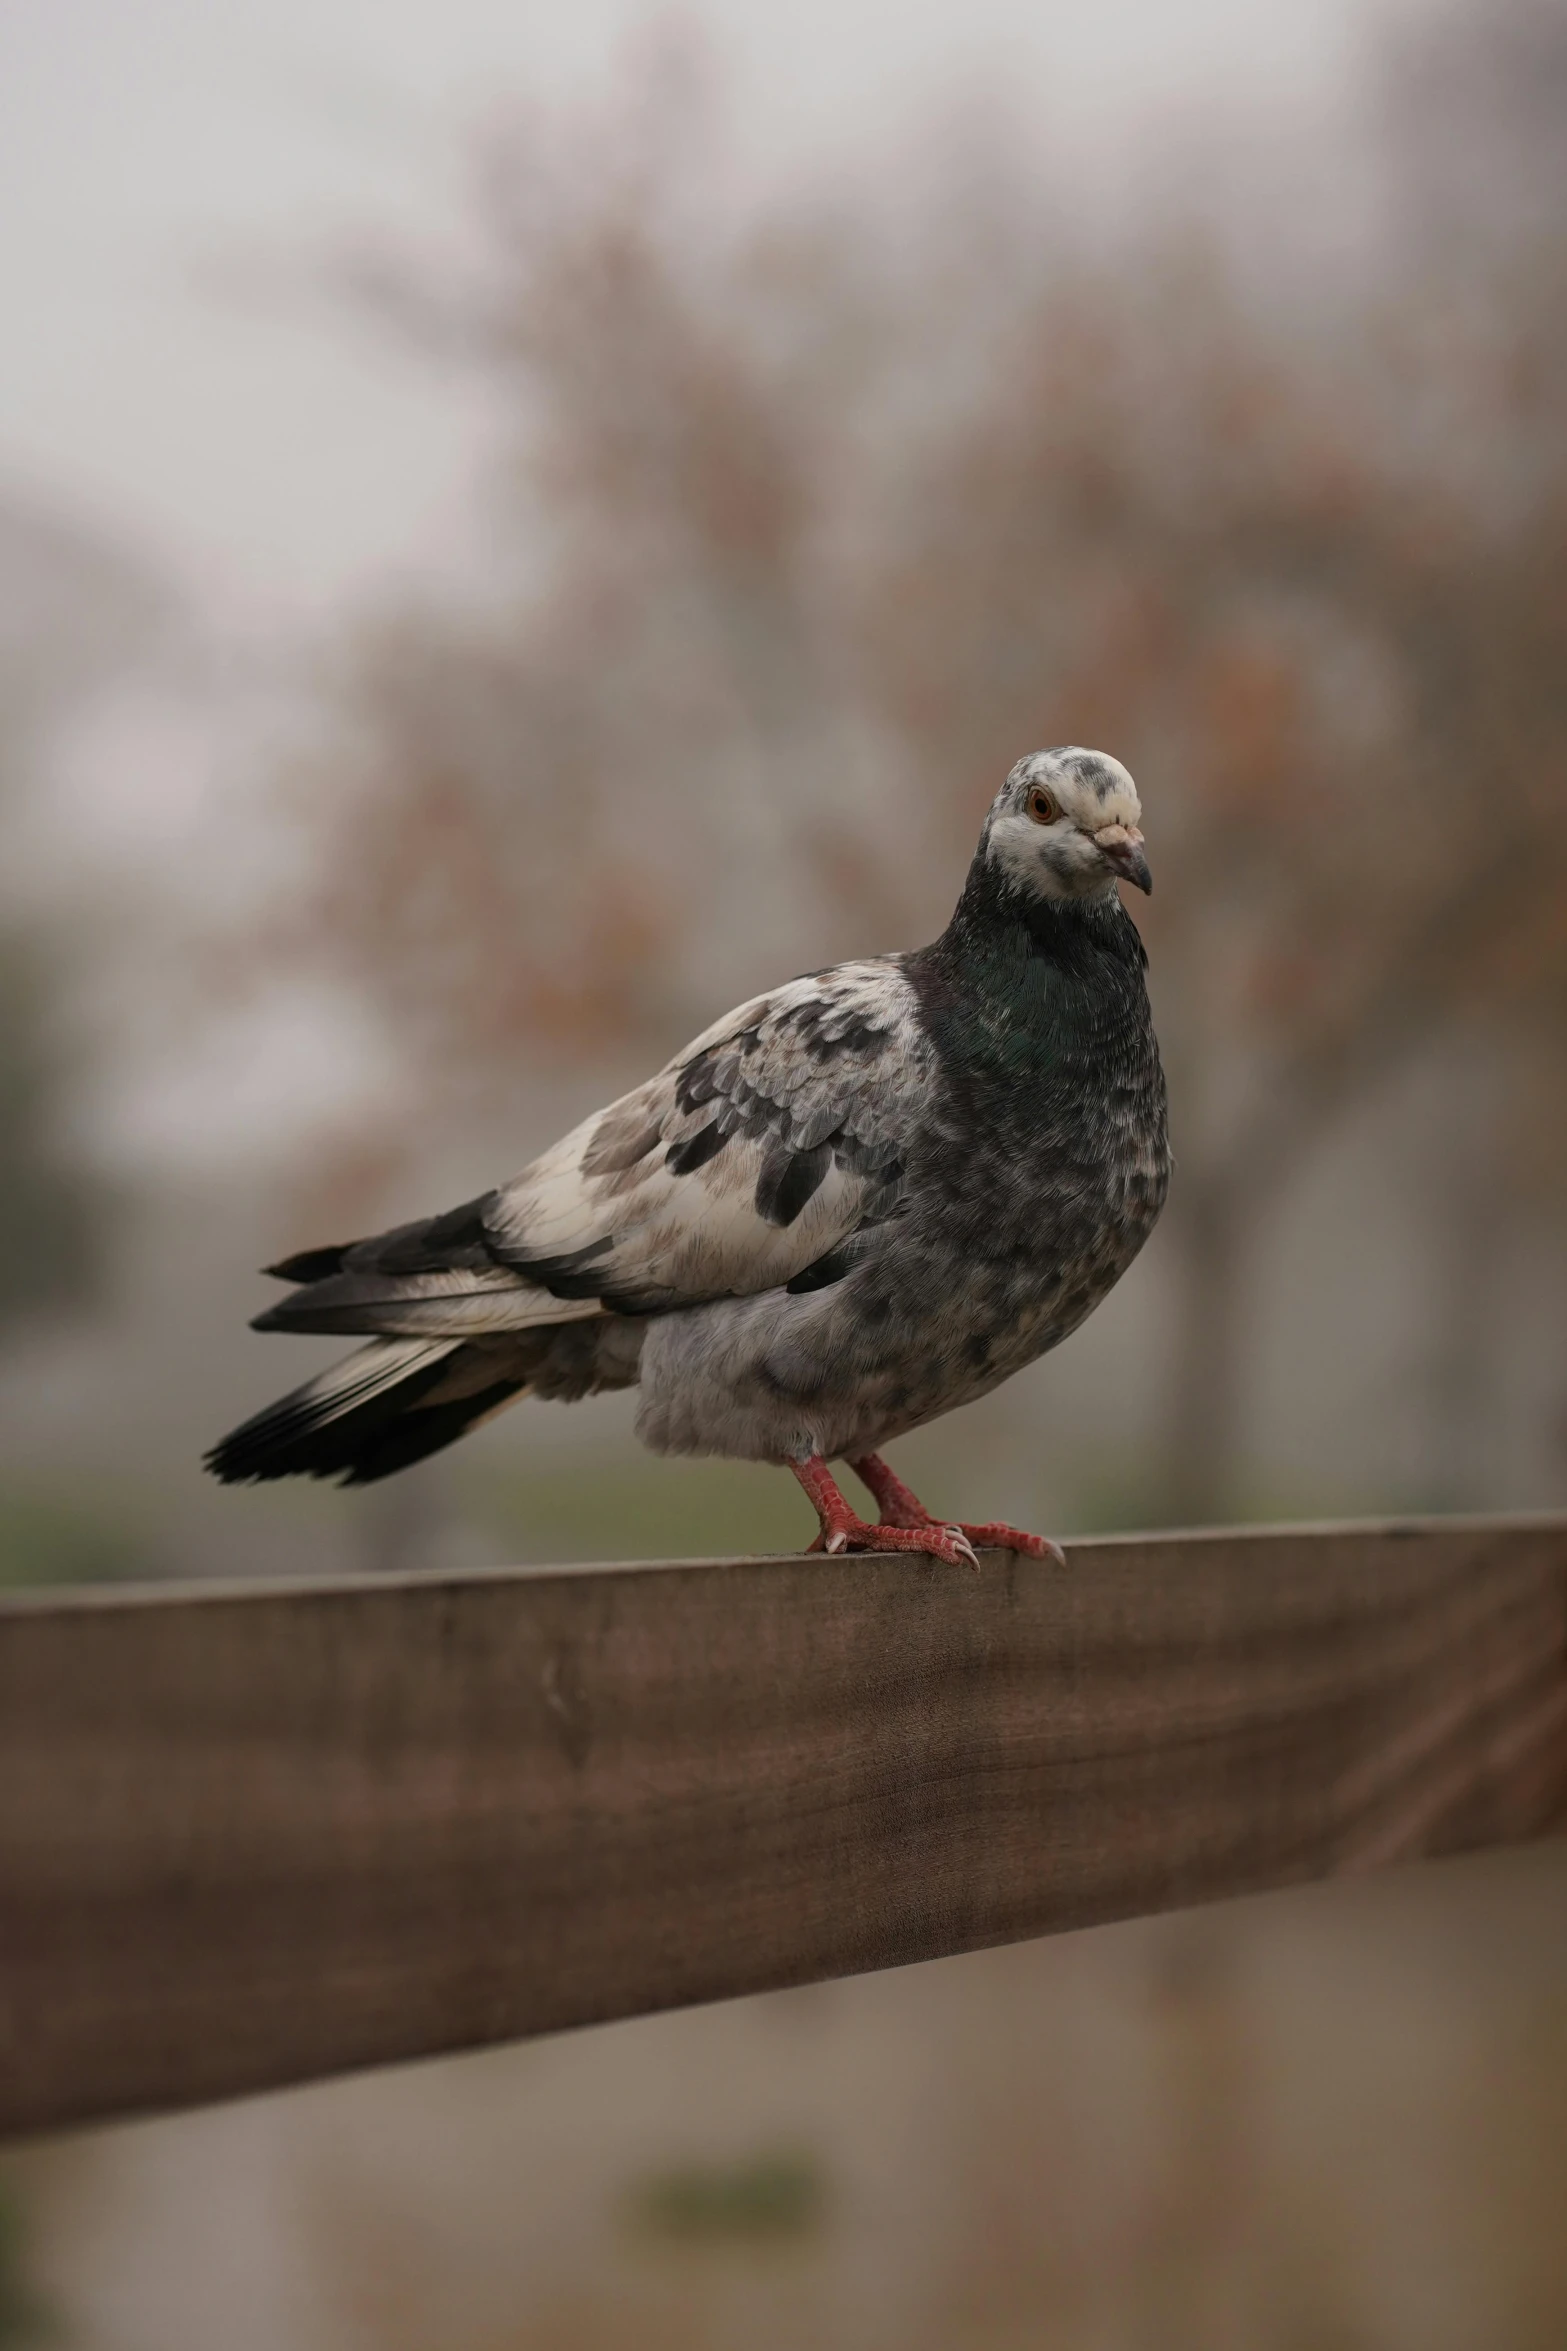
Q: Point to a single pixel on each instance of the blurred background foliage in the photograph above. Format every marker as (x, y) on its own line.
(795, 518)
(799, 503)
(795, 535)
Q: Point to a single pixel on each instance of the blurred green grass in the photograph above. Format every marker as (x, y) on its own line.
(590, 1506)
(531, 1506)
(769, 2197)
(52, 1532)
(620, 1503)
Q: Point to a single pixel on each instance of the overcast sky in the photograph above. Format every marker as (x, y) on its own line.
(278, 458)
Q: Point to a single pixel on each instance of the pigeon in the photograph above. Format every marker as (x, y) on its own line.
(849, 1206)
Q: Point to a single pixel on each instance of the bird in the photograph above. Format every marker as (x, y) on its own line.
(854, 1203)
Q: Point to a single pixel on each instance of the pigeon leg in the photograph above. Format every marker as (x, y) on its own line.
(842, 1530)
(900, 1507)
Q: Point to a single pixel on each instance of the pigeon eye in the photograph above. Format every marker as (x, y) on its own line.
(1041, 807)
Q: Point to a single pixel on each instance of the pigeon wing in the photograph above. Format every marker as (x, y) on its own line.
(767, 1144)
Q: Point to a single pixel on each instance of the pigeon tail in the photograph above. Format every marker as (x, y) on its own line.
(385, 1406)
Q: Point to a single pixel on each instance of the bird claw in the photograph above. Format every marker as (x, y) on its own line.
(905, 1524)
(948, 1544)
(997, 1537)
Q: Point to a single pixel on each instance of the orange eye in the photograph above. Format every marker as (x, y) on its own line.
(1041, 807)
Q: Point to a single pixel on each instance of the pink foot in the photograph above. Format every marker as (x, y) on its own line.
(842, 1529)
(993, 1534)
(901, 1507)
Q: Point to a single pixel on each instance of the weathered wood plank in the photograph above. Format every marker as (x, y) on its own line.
(249, 1836)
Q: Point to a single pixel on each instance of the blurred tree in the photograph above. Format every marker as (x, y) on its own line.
(1152, 534)
(795, 549)
(1473, 112)
(564, 819)
(50, 1222)
(74, 613)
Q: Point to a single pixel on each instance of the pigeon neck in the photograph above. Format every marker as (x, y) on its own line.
(997, 928)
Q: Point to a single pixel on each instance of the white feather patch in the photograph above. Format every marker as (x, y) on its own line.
(834, 1067)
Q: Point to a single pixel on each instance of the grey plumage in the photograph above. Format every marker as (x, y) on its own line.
(854, 1203)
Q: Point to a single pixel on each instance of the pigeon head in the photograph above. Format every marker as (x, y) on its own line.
(1066, 824)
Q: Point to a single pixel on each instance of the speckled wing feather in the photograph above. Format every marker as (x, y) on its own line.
(771, 1141)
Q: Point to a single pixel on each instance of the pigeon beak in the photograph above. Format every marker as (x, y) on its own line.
(1121, 846)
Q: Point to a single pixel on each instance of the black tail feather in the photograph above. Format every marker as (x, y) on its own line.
(310, 1265)
(390, 1404)
(431, 1244)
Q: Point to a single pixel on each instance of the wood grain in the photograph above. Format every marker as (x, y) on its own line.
(255, 1835)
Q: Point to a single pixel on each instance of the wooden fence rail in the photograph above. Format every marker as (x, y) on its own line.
(254, 1835)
